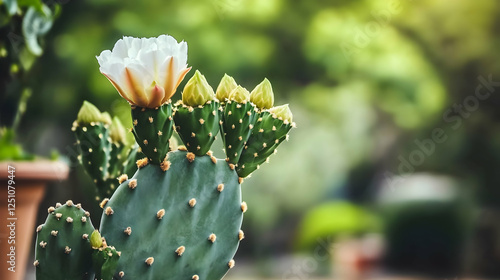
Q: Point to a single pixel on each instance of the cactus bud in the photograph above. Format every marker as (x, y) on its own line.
(106, 118)
(95, 239)
(240, 95)
(88, 113)
(117, 131)
(282, 112)
(226, 85)
(262, 95)
(197, 91)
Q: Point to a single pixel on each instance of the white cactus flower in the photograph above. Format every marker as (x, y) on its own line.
(145, 71)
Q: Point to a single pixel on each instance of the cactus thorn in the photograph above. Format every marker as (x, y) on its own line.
(255, 155)
(195, 277)
(69, 220)
(193, 134)
(190, 157)
(36, 263)
(51, 209)
(122, 178)
(39, 228)
(155, 150)
(180, 250)
(160, 133)
(59, 216)
(261, 130)
(192, 202)
(264, 145)
(84, 219)
(109, 211)
(149, 261)
(202, 121)
(250, 126)
(87, 213)
(277, 141)
(238, 105)
(84, 129)
(43, 244)
(230, 264)
(128, 231)
(150, 119)
(121, 274)
(221, 122)
(240, 180)
(213, 159)
(142, 162)
(135, 122)
(210, 153)
(103, 203)
(85, 236)
(241, 235)
(145, 142)
(274, 128)
(240, 121)
(212, 238)
(67, 249)
(229, 113)
(54, 233)
(132, 183)
(229, 147)
(160, 214)
(182, 148)
(231, 166)
(233, 126)
(240, 138)
(220, 187)
(244, 207)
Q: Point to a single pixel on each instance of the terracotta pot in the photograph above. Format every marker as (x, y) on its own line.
(30, 181)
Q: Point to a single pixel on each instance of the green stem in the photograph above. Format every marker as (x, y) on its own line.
(21, 109)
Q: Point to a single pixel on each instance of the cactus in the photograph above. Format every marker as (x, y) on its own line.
(187, 219)
(268, 133)
(237, 122)
(197, 115)
(62, 244)
(180, 215)
(103, 148)
(152, 129)
(104, 258)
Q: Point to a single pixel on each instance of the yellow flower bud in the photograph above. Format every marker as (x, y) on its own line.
(240, 95)
(282, 112)
(89, 113)
(226, 85)
(117, 131)
(262, 96)
(95, 239)
(197, 91)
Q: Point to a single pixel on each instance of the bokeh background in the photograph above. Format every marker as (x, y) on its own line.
(393, 167)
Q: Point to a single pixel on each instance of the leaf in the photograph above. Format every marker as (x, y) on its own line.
(36, 24)
(11, 6)
(37, 4)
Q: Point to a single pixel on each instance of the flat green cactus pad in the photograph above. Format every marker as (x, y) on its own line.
(62, 247)
(182, 223)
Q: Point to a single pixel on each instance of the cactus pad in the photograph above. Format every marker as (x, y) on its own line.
(197, 126)
(152, 129)
(62, 244)
(183, 223)
(237, 123)
(268, 133)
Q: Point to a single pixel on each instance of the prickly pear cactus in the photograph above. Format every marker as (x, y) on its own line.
(102, 147)
(152, 129)
(267, 135)
(237, 123)
(104, 258)
(181, 223)
(62, 244)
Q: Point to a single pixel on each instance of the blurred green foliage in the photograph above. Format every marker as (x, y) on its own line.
(364, 79)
